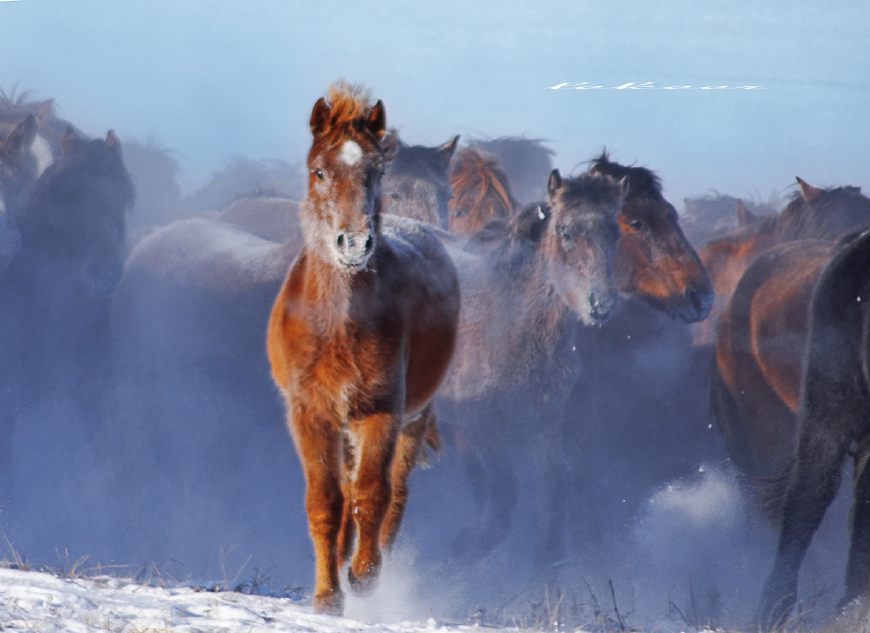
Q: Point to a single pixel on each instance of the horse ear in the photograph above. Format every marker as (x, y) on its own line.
(376, 121)
(45, 109)
(745, 217)
(68, 139)
(112, 141)
(449, 147)
(22, 137)
(808, 192)
(624, 188)
(319, 120)
(555, 182)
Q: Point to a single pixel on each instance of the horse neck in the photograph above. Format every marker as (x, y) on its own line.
(326, 293)
(541, 318)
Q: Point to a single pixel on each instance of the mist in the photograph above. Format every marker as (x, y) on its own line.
(155, 443)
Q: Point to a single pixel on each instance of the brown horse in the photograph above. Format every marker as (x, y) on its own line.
(833, 415)
(515, 364)
(812, 213)
(758, 351)
(480, 192)
(360, 336)
(761, 334)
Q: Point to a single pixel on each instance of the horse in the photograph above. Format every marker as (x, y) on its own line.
(714, 215)
(19, 170)
(833, 414)
(359, 339)
(758, 350)
(56, 291)
(644, 347)
(809, 214)
(480, 192)
(154, 169)
(51, 129)
(761, 334)
(526, 162)
(523, 299)
(242, 178)
(654, 261)
(419, 173)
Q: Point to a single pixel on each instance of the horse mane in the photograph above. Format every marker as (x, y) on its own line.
(15, 105)
(476, 177)
(642, 181)
(525, 161)
(835, 211)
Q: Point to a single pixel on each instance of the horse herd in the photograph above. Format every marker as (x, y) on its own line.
(412, 291)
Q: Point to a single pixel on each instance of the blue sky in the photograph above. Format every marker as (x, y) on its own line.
(218, 79)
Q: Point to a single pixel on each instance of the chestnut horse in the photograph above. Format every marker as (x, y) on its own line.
(359, 339)
(833, 414)
(761, 334)
(515, 364)
(480, 192)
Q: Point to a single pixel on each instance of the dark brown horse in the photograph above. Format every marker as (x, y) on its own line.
(833, 415)
(360, 336)
(515, 364)
(480, 192)
(654, 260)
(18, 172)
(416, 185)
(761, 333)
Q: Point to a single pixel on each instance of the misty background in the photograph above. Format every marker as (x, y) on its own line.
(213, 80)
(194, 475)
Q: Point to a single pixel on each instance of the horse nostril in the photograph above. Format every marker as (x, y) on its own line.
(368, 244)
(340, 241)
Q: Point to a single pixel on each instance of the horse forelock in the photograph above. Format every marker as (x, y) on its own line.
(641, 180)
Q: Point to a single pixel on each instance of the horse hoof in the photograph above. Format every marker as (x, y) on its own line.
(365, 584)
(329, 603)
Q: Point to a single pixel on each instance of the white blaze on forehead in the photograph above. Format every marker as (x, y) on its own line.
(351, 152)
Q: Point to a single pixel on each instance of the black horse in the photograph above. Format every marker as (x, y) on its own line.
(833, 416)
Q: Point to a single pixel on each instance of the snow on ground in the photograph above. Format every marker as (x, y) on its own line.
(40, 602)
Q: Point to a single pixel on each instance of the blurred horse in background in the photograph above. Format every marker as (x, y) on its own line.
(515, 366)
(480, 192)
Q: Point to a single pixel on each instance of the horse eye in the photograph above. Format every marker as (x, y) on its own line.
(395, 196)
(318, 173)
(637, 225)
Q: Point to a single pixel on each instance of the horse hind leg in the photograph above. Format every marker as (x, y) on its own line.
(410, 448)
(858, 568)
(371, 490)
(814, 481)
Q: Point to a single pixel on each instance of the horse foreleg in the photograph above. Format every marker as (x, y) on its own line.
(347, 531)
(318, 444)
(376, 442)
(408, 448)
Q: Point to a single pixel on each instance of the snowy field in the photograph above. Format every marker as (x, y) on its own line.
(35, 601)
